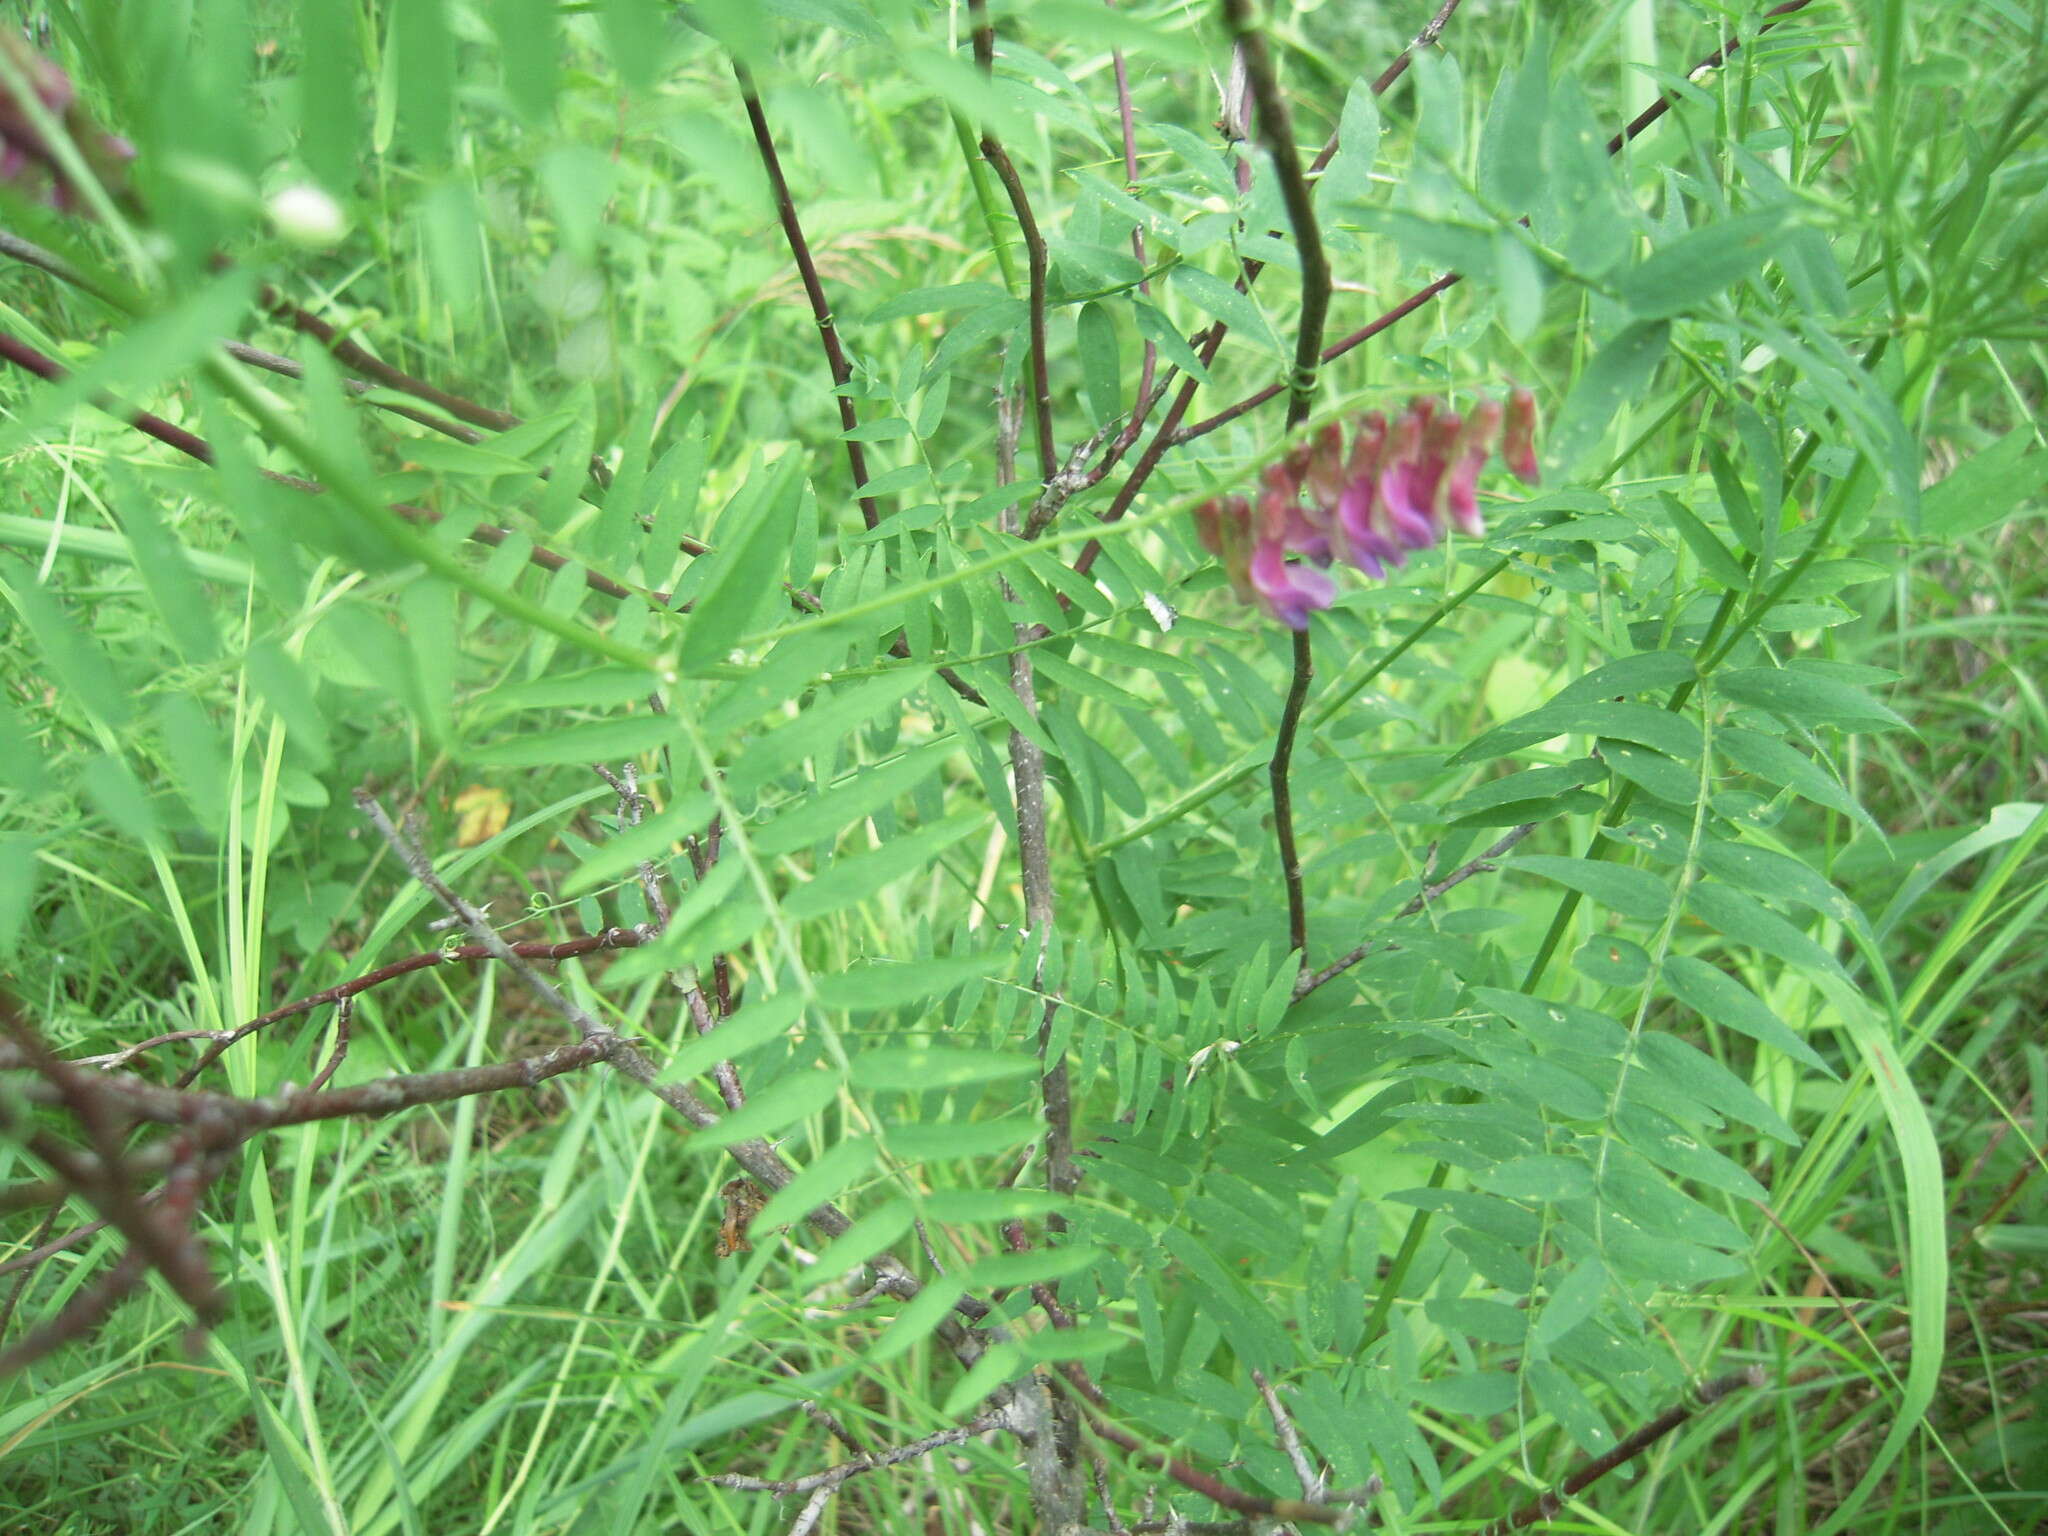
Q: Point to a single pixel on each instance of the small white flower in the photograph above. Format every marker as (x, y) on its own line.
(305, 215)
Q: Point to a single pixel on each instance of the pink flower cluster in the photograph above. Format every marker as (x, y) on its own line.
(1393, 489)
(25, 155)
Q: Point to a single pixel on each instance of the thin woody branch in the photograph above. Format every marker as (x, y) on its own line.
(1168, 434)
(1214, 1489)
(540, 949)
(354, 355)
(156, 1234)
(222, 1120)
(381, 374)
(1035, 258)
(1275, 129)
(1277, 775)
(1482, 864)
(1333, 351)
(1039, 1421)
(1548, 1504)
(864, 1461)
(1305, 1471)
(292, 368)
(90, 1306)
(192, 445)
(758, 1159)
(43, 366)
(1034, 858)
(1149, 359)
(814, 290)
(1426, 38)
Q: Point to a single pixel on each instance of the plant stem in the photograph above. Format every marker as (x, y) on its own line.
(814, 290)
(1283, 796)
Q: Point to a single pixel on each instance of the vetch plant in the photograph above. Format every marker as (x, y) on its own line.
(641, 885)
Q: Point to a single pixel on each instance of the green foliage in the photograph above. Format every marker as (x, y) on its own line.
(1731, 1059)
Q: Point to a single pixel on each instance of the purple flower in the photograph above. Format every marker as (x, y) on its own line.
(1457, 492)
(1225, 529)
(1407, 480)
(1289, 592)
(1396, 487)
(26, 156)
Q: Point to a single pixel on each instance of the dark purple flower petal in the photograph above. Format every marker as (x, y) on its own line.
(1365, 546)
(1290, 593)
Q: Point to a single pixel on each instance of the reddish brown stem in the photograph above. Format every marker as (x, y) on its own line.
(1211, 1488)
(371, 366)
(610, 938)
(22, 355)
(1283, 795)
(1546, 1505)
(1276, 130)
(1035, 257)
(814, 289)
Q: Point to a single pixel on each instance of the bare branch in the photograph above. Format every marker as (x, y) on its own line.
(1170, 433)
(757, 1158)
(92, 1304)
(1546, 1505)
(223, 1120)
(542, 949)
(14, 1291)
(866, 1461)
(344, 1015)
(24, 356)
(1426, 38)
(155, 1235)
(196, 447)
(1311, 1480)
(1213, 1489)
(1150, 358)
(128, 1053)
(1637, 126)
(1483, 864)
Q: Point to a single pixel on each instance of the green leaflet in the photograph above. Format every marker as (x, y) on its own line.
(1699, 264)
(1721, 999)
(918, 1068)
(593, 741)
(789, 1099)
(754, 534)
(1621, 888)
(1617, 373)
(1796, 695)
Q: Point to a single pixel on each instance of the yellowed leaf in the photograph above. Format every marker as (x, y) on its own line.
(481, 814)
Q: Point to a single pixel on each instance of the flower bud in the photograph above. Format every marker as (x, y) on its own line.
(1457, 493)
(27, 157)
(306, 215)
(1519, 451)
